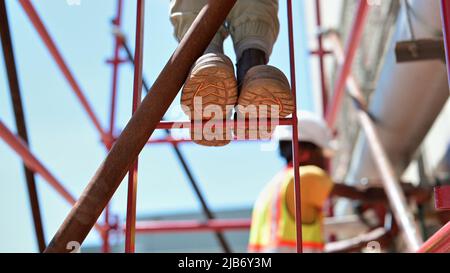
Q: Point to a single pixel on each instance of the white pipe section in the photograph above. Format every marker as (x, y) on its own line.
(407, 101)
(408, 98)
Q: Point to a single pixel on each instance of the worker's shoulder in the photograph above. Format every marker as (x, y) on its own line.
(313, 171)
(309, 171)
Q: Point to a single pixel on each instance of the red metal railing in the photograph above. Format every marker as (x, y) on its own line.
(137, 92)
(192, 226)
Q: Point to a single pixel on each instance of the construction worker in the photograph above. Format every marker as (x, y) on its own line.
(273, 227)
(273, 222)
(258, 90)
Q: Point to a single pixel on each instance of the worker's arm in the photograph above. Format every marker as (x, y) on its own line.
(309, 213)
(378, 195)
(316, 186)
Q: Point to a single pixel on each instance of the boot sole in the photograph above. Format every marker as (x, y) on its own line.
(264, 91)
(216, 85)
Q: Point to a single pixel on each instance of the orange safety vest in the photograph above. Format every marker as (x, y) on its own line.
(273, 229)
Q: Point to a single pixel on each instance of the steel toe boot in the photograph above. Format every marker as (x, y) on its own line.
(265, 94)
(209, 96)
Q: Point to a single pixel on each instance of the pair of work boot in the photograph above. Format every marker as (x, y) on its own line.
(212, 92)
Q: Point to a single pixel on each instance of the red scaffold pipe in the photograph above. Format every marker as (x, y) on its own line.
(192, 226)
(350, 53)
(295, 145)
(137, 92)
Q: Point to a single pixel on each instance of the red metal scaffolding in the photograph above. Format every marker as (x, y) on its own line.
(181, 60)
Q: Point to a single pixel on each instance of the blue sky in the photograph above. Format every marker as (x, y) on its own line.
(63, 137)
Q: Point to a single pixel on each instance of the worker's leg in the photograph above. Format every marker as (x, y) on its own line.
(210, 91)
(183, 14)
(264, 90)
(254, 27)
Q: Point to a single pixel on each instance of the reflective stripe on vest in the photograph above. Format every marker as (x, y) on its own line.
(281, 237)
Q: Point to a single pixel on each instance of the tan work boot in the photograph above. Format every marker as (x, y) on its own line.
(210, 94)
(265, 94)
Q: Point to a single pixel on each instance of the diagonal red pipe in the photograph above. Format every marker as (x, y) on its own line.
(350, 53)
(54, 52)
(34, 164)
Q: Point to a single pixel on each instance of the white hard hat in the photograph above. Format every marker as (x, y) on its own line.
(311, 129)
